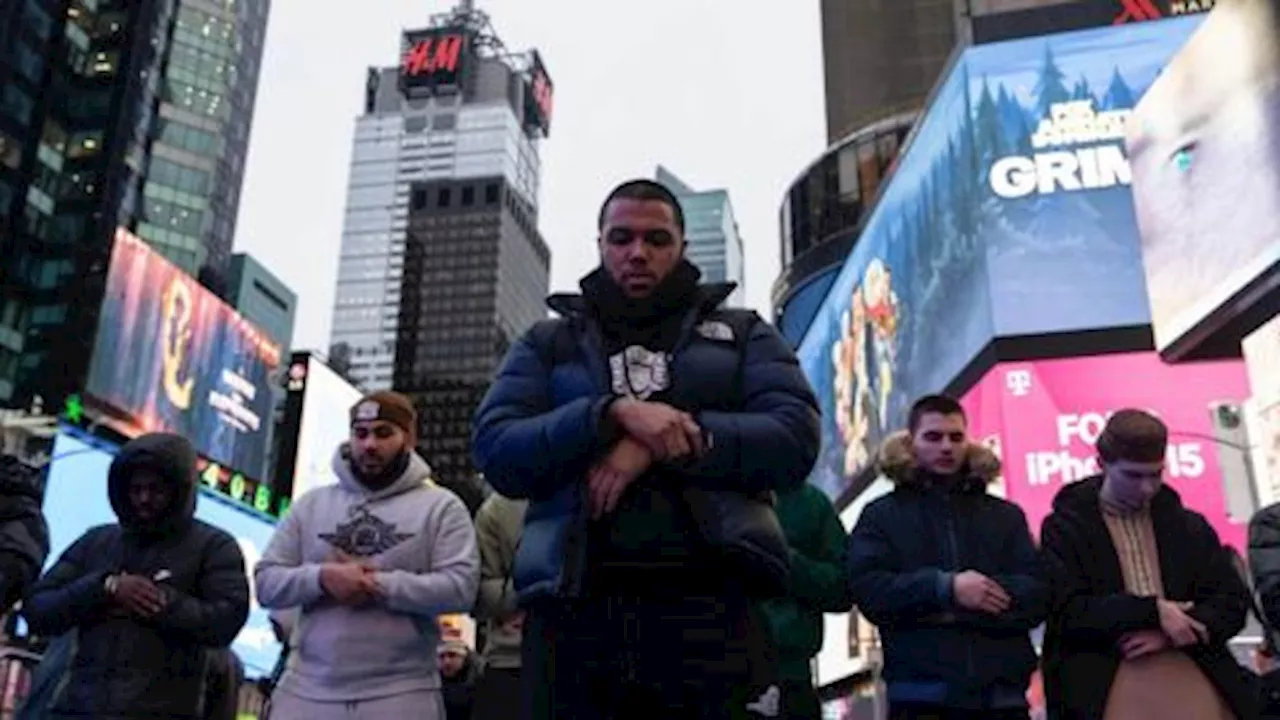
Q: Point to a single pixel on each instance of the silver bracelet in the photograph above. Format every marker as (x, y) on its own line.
(111, 584)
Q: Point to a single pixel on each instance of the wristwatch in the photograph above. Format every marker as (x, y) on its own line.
(111, 583)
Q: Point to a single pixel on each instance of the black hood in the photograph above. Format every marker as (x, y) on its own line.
(172, 458)
(706, 296)
(1082, 497)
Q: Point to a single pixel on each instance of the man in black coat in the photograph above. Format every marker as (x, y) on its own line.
(1144, 598)
(24, 536)
(149, 596)
(948, 573)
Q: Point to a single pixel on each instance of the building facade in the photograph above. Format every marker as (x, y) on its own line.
(442, 266)
(194, 175)
(262, 297)
(101, 92)
(822, 213)
(420, 126)
(881, 59)
(712, 240)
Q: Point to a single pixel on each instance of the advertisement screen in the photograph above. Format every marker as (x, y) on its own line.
(1206, 174)
(171, 356)
(540, 95)
(1262, 358)
(323, 425)
(76, 500)
(1009, 214)
(1044, 418)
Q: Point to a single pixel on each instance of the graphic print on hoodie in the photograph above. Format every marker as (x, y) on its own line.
(419, 538)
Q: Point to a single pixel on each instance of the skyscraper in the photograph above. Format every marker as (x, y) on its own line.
(881, 59)
(192, 189)
(442, 266)
(139, 118)
(711, 233)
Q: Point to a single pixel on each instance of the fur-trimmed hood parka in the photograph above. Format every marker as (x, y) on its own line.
(897, 462)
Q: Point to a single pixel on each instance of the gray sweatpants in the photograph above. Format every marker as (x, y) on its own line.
(421, 705)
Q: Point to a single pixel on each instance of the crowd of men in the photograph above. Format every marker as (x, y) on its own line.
(652, 550)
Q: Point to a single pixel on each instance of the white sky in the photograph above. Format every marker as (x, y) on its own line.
(726, 93)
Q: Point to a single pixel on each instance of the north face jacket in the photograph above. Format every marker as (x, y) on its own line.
(124, 667)
(541, 426)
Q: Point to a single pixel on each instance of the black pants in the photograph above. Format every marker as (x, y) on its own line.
(617, 659)
(920, 711)
(498, 695)
(800, 701)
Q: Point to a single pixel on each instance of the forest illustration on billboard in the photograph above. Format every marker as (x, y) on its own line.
(1009, 213)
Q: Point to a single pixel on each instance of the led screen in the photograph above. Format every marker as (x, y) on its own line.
(1010, 214)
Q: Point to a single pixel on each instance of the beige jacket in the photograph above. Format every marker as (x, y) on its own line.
(499, 524)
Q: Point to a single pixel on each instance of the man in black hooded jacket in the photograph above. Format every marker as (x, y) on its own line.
(149, 596)
(24, 535)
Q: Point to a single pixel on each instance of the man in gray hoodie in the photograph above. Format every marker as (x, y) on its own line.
(370, 563)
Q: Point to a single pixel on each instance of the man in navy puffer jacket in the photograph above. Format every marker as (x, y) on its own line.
(608, 420)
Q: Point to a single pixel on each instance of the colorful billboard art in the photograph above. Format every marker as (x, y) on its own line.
(1046, 416)
(1009, 214)
(172, 356)
(1205, 144)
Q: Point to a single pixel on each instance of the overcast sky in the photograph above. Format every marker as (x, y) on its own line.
(725, 93)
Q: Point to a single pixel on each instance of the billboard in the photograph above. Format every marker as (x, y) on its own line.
(1044, 417)
(539, 95)
(171, 356)
(435, 58)
(1009, 214)
(317, 412)
(1205, 144)
(76, 500)
(1045, 19)
(1262, 358)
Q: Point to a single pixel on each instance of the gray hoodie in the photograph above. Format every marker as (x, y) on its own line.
(420, 539)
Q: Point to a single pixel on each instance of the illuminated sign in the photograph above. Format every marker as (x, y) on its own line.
(240, 488)
(1143, 10)
(434, 58)
(1061, 407)
(315, 423)
(540, 96)
(172, 356)
(1083, 150)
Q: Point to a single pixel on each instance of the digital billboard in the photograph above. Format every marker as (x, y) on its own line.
(76, 500)
(1045, 417)
(1044, 19)
(1009, 214)
(317, 412)
(1262, 358)
(171, 356)
(1205, 144)
(539, 95)
(435, 58)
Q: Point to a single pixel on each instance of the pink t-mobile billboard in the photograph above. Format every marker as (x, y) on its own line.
(1044, 417)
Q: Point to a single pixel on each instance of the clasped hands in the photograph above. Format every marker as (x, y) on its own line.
(652, 432)
(1177, 630)
(136, 596)
(350, 581)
